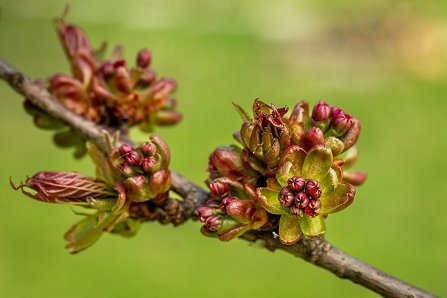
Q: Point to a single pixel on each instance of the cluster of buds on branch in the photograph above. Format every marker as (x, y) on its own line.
(107, 92)
(125, 177)
(290, 169)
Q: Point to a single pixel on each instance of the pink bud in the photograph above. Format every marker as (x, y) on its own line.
(301, 200)
(287, 197)
(296, 183)
(214, 223)
(335, 111)
(342, 123)
(119, 63)
(147, 77)
(106, 69)
(148, 163)
(312, 137)
(315, 204)
(310, 212)
(219, 188)
(125, 149)
(321, 112)
(225, 202)
(144, 58)
(149, 149)
(126, 169)
(133, 158)
(205, 212)
(313, 189)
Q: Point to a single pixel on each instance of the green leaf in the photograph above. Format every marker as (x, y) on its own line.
(317, 163)
(103, 170)
(291, 163)
(329, 182)
(269, 199)
(244, 115)
(289, 229)
(84, 233)
(312, 227)
(337, 200)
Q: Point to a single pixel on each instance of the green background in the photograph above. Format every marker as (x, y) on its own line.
(383, 63)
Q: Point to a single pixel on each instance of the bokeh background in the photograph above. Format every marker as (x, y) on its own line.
(383, 61)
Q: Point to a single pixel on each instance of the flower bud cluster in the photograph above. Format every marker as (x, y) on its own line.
(144, 169)
(126, 177)
(332, 120)
(301, 196)
(226, 216)
(108, 91)
(290, 165)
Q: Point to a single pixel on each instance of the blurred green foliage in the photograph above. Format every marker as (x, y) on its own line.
(223, 51)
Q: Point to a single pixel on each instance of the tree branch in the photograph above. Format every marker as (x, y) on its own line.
(318, 252)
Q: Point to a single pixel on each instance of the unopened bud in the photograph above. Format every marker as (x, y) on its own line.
(342, 123)
(119, 63)
(335, 111)
(241, 210)
(148, 163)
(310, 212)
(125, 149)
(312, 137)
(205, 212)
(313, 189)
(149, 149)
(144, 58)
(301, 200)
(133, 158)
(106, 69)
(321, 112)
(296, 183)
(225, 202)
(287, 197)
(137, 188)
(214, 223)
(219, 188)
(126, 169)
(315, 205)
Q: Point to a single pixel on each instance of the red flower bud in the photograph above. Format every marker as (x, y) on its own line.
(205, 212)
(310, 212)
(342, 123)
(301, 200)
(133, 158)
(296, 183)
(314, 136)
(119, 63)
(287, 197)
(225, 202)
(313, 189)
(321, 112)
(125, 149)
(335, 111)
(148, 163)
(219, 188)
(144, 58)
(241, 210)
(214, 223)
(315, 205)
(106, 69)
(149, 149)
(126, 169)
